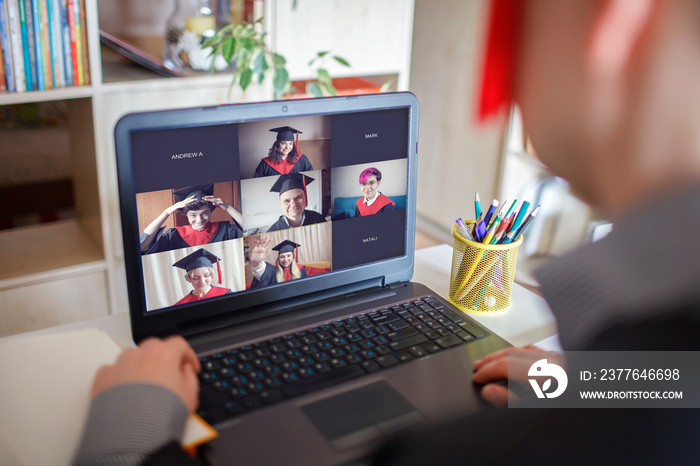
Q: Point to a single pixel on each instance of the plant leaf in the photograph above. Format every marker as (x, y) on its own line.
(246, 78)
(243, 59)
(387, 84)
(323, 77)
(341, 60)
(279, 60)
(323, 54)
(280, 81)
(228, 48)
(259, 64)
(313, 89)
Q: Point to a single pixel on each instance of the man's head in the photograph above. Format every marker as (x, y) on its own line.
(293, 203)
(198, 214)
(608, 93)
(370, 179)
(292, 194)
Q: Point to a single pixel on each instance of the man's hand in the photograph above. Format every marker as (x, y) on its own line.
(217, 201)
(171, 363)
(493, 369)
(262, 248)
(179, 205)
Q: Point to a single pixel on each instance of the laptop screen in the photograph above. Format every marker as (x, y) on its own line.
(226, 208)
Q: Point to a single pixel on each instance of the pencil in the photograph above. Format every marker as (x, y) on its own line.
(477, 206)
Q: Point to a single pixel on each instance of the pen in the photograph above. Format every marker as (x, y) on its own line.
(521, 215)
(477, 206)
(491, 211)
(463, 229)
(527, 222)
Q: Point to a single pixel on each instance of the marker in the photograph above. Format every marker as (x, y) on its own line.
(464, 230)
(477, 205)
(480, 231)
(526, 223)
(491, 211)
(521, 215)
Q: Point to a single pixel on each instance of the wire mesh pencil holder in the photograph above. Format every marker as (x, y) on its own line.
(481, 281)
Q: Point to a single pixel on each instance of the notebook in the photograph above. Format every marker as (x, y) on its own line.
(286, 229)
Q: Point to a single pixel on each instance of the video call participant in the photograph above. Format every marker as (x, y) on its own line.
(284, 156)
(286, 267)
(293, 201)
(200, 272)
(197, 204)
(372, 201)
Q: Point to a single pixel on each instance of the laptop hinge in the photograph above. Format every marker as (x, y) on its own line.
(397, 285)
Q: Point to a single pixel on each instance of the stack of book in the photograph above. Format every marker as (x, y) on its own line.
(43, 45)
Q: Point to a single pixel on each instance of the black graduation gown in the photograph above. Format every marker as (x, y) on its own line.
(167, 240)
(301, 165)
(310, 218)
(269, 276)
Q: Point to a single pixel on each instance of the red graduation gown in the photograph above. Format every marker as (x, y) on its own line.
(214, 292)
(381, 202)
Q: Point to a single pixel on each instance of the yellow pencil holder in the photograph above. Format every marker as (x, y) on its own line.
(481, 281)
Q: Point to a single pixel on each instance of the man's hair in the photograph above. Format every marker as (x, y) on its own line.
(367, 172)
(276, 155)
(196, 205)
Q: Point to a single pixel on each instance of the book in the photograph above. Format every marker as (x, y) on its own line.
(83, 30)
(25, 46)
(28, 51)
(65, 44)
(46, 45)
(16, 42)
(73, 41)
(48, 407)
(36, 23)
(79, 42)
(55, 37)
(6, 47)
(3, 83)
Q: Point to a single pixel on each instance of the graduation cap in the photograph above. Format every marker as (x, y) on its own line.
(286, 133)
(291, 181)
(288, 246)
(197, 259)
(198, 191)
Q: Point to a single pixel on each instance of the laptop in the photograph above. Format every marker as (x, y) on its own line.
(278, 239)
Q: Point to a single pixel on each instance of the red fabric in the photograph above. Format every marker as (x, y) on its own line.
(197, 238)
(315, 270)
(215, 291)
(504, 34)
(376, 206)
(283, 167)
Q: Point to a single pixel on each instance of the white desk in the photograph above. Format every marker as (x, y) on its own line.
(528, 321)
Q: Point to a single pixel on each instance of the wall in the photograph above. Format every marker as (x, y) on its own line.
(455, 155)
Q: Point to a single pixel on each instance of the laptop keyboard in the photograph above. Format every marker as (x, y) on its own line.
(242, 379)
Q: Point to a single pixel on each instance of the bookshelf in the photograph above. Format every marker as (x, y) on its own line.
(69, 270)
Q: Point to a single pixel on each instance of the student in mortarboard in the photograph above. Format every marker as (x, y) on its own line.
(286, 266)
(197, 204)
(200, 273)
(372, 201)
(293, 201)
(284, 156)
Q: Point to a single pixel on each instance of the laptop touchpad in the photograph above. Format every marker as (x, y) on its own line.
(361, 415)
